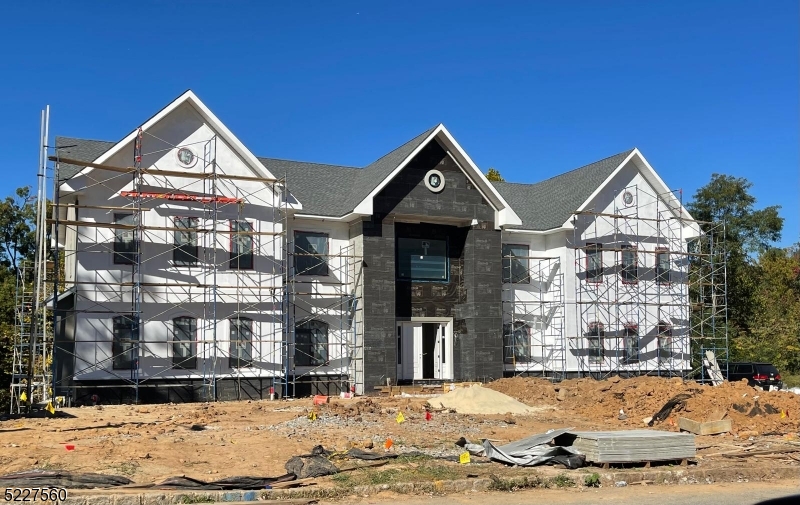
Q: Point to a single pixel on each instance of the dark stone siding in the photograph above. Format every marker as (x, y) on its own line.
(472, 297)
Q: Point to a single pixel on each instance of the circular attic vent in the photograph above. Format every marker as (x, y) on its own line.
(627, 198)
(186, 157)
(434, 180)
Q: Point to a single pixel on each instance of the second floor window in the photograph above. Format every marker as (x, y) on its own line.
(515, 264)
(310, 253)
(629, 269)
(124, 240)
(594, 262)
(662, 266)
(241, 245)
(184, 252)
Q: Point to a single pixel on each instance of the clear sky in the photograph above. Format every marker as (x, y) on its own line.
(532, 88)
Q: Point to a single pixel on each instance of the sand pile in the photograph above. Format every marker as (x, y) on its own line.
(641, 397)
(479, 400)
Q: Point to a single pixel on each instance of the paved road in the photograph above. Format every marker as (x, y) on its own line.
(697, 494)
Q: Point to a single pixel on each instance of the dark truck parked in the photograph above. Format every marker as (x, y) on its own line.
(761, 375)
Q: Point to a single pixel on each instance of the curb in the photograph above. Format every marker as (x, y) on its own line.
(657, 477)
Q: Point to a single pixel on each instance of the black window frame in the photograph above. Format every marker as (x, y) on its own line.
(185, 254)
(235, 359)
(629, 271)
(311, 263)
(663, 276)
(595, 335)
(411, 278)
(123, 356)
(594, 254)
(520, 274)
(517, 343)
(310, 352)
(239, 260)
(630, 353)
(124, 248)
(178, 360)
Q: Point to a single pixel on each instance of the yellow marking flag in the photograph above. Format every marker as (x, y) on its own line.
(50, 408)
(400, 418)
(463, 458)
(23, 397)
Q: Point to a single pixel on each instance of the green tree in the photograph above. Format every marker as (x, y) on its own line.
(494, 175)
(17, 237)
(748, 232)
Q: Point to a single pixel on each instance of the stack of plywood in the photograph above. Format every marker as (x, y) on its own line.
(632, 446)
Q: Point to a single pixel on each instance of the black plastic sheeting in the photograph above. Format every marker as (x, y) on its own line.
(678, 402)
(39, 478)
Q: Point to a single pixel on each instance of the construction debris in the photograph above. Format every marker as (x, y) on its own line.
(629, 446)
(706, 428)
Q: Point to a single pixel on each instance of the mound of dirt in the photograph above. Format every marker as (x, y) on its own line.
(750, 409)
(479, 400)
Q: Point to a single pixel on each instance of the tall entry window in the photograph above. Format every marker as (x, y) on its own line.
(422, 259)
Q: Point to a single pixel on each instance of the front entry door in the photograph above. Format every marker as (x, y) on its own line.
(424, 351)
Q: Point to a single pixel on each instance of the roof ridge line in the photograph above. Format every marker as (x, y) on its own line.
(580, 167)
(428, 131)
(309, 162)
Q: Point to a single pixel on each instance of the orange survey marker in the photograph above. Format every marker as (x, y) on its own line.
(388, 445)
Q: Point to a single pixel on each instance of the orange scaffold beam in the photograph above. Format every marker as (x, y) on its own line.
(179, 197)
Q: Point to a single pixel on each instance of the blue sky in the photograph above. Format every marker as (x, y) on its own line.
(531, 88)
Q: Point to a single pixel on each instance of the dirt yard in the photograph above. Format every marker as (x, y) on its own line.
(210, 441)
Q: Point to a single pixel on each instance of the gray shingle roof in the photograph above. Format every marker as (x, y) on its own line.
(549, 204)
(81, 149)
(334, 190)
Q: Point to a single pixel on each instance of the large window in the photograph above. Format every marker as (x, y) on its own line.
(630, 336)
(311, 343)
(241, 350)
(516, 343)
(124, 347)
(664, 341)
(629, 269)
(241, 245)
(124, 240)
(662, 266)
(310, 253)
(594, 336)
(184, 342)
(185, 241)
(594, 262)
(422, 259)
(515, 264)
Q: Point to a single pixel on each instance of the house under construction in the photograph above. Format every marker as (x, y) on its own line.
(190, 269)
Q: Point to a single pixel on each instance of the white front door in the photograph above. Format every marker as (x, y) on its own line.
(424, 351)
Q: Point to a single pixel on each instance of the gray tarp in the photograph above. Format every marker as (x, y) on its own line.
(530, 451)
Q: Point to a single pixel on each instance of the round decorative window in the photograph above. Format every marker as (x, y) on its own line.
(627, 198)
(434, 181)
(186, 157)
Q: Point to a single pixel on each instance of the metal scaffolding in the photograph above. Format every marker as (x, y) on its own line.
(181, 306)
(650, 289)
(533, 317)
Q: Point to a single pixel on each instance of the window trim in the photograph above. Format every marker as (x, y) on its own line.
(117, 256)
(598, 249)
(596, 331)
(180, 364)
(659, 251)
(313, 361)
(527, 279)
(627, 359)
(175, 246)
(324, 257)
(234, 261)
(118, 342)
(623, 249)
(231, 359)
